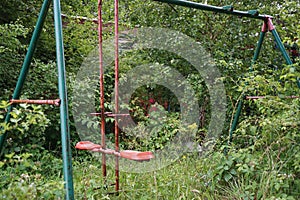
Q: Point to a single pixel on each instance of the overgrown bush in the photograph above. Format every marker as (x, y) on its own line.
(25, 130)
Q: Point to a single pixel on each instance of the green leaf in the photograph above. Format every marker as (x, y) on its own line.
(9, 155)
(227, 176)
(277, 186)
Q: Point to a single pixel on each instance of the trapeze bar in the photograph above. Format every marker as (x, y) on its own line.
(262, 97)
(225, 9)
(128, 154)
(55, 102)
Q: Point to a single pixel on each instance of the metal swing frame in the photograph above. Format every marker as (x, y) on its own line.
(62, 102)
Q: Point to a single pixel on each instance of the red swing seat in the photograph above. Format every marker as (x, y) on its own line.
(128, 154)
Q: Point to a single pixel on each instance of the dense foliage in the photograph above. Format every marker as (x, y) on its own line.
(263, 160)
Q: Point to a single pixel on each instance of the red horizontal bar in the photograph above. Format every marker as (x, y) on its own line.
(117, 115)
(99, 114)
(255, 97)
(55, 102)
(110, 114)
(262, 97)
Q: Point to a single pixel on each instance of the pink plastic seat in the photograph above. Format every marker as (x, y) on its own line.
(136, 155)
(87, 145)
(128, 154)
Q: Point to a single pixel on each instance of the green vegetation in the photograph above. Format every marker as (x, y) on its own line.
(263, 160)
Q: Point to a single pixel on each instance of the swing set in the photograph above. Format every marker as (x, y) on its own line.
(62, 102)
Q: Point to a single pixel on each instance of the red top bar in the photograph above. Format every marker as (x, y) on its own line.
(55, 102)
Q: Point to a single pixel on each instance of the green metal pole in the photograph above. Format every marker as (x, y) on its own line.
(259, 44)
(234, 124)
(64, 118)
(236, 119)
(283, 51)
(281, 47)
(240, 104)
(200, 6)
(26, 63)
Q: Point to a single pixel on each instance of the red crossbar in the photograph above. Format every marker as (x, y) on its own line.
(55, 102)
(110, 114)
(262, 97)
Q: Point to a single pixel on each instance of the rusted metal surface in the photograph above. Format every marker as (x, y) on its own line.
(110, 114)
(99, 114)
(101, 80)
(117, 91)
(55, 102)
(118, 115)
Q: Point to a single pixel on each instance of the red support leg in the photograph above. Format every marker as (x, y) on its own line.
(101, 80)
(117, 92)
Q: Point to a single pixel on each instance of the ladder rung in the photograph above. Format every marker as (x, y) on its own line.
(55, 102)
